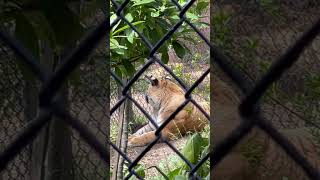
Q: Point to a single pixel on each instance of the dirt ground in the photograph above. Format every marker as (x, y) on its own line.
(160, 153)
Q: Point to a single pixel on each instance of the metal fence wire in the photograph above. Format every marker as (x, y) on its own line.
(50, 102)
(13, 121)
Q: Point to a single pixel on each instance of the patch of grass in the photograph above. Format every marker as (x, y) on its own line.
(178, 70)
(206, 131)
(196, 58)
(114, 129)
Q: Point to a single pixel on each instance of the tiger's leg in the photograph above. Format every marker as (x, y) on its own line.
(146, 138)
(169, 132)
(146, 128)
(141, 140)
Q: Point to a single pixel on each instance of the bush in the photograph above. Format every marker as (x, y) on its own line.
(194, 150)
(153, 19)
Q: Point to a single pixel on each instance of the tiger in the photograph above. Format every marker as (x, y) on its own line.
(165, 96)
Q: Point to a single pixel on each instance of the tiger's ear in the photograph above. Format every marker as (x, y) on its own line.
(154, 81)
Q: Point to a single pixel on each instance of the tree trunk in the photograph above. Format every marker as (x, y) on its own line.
(124, 138)
(119, 138)
(59, 148)
(31, 110)
(59, 152)
(39, 145)
(125, 112)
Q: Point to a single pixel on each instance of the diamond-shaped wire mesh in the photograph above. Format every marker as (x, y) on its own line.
(249, 109)
(155, 60)
(243, 129)
(19, 100)
(12, 113)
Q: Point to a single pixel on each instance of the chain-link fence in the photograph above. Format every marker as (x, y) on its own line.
(87, 89)
(257, 33)
(12, 109)
(247, 109)
(16, 135)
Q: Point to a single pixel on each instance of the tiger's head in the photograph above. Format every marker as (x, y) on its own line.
(161, 89)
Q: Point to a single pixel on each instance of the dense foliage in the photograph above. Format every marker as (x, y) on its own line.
(153, 19)
(35, 23)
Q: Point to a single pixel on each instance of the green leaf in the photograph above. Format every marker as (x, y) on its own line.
(193, 148)
(165, 57)
(201, 24)
(179, 49)
(180, 177)
(174, 173)
(141, 2)
(118, 72)
(114, 44)
(113, 17)
(191, 16)
(201, 6)
(126, 27)
(175, 17)
(129, 17)
(164, 24)
(155, 13)
(128, 67)
(205, 150)
(164, 53)
(120, 51)
(140, 171)
(130, 35)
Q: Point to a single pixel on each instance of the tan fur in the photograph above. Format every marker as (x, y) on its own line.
(165, 98)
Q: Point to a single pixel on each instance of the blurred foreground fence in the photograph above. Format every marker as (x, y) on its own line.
(90, 152)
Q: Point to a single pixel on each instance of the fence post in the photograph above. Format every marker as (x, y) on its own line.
(39, 145)
(59, 147)
(30, 92)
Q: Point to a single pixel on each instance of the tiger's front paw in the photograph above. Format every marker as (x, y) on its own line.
(135, 141)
